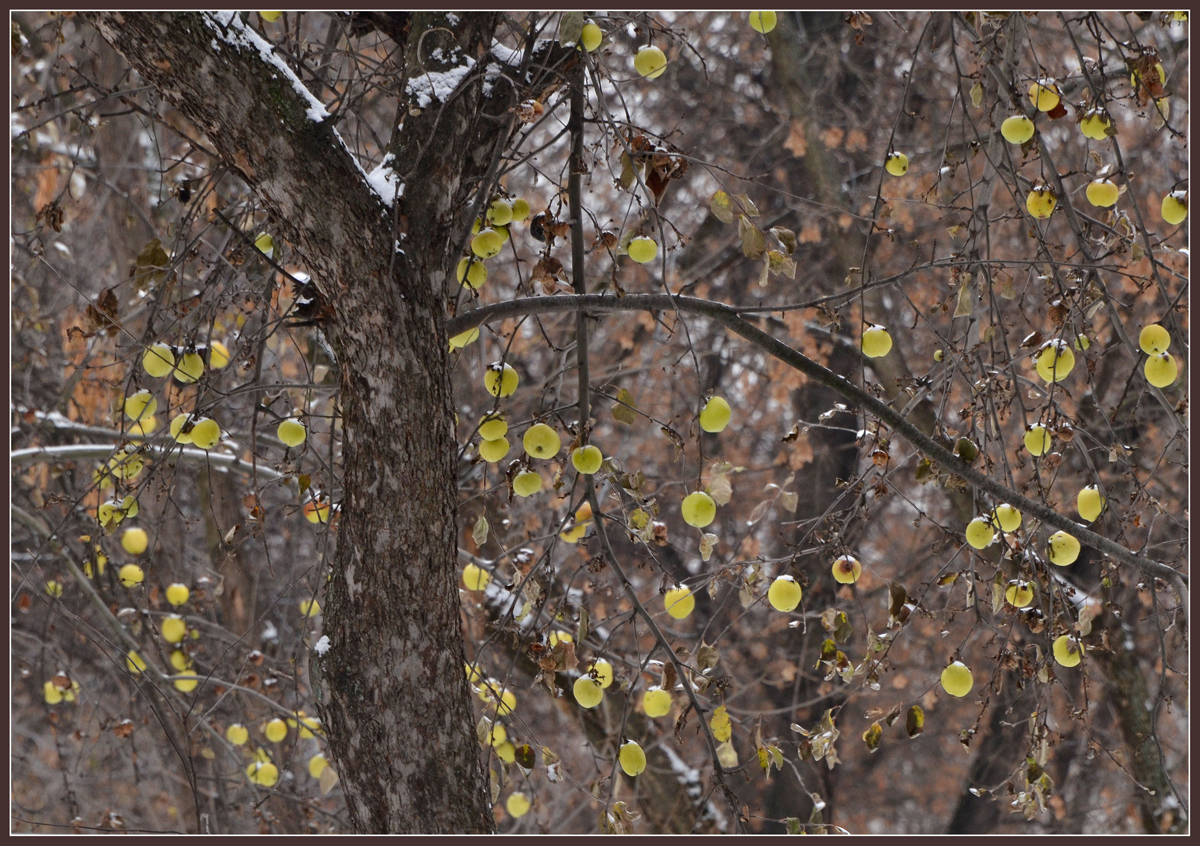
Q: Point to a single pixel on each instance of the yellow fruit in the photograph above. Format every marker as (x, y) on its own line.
(174, 629)
(656, 702)
(264, 774)
(477, 226)
(141, 405)
(762, 22)
(179, 660)
(1135, 78)
(1044, 95)
(1006, 518)
(316, 512)
(177, 429)
(316, 765)
(1174, 207)
(500, 380)
(1161, 370)
(265, 244)
(1037, 439)
(980, 532)
(876, 342)
(310, 607)
(187, 684)
(714, 417)
(472, 273)
(784, 593)
(51, 693)
(588, 692)
(270, 17)
(190, 368)
(591, 36)
(650, 62)
(475, 578)
(957, 679)
(541, 441)
(583, 521)
(587, 460)
(698, 509)
(54, 588)
(134, 662)
(632, 758)
(493, 426)
(487, 243)
(527, 483)
(896, 164)
(1063, 548)
(134, 541)
(206, 433)
(1154, 339)
(218, 356)
(846, 570)
(292, 432)
(560, 637)
(1094, 124)
(493, 450)
(500, 213)
(142, 428)
(463, 338)
(1082, 342)
(1041, 202)
(679, 602)
(1102, 193)
(508, 702)
(1068, 652)
(642, 249)
(1090, 503)
(159, 360)
(275, 730)
(1055, 361)
(1017, 129)
(517, 805)
(130, 575)
(602, 672)
(1019, 594)
(520, 208)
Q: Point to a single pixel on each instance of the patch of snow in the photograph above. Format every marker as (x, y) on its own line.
(322, 645)
(386, 183)
(436, 87)
(506, 54)
(452, 19)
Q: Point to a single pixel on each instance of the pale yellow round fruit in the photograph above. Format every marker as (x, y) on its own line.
(656, 702)
(1154, 339)
(876, 342)
(1102, 193)
(521, 209)
(1082, 342)
(763, 22)
(187, 684)
(135, 541)
(500, 213)
(784, 594)
(541, 441)
(588, 692)
(179, 660)
(265, 775)
(1017, 129)
(471, 273)
(316, 512)
(1037, 439)
(265, 244)
(51, 693)
(1094, 125)
(846, 570)
(1063, 549)
(587, 459)
(493, 426)
(517, 805)
(602, 672)
(130, 575)
(190, 368)
(475, 578)
(487, 243)
(292, 432)
(1018, 594)
(493, 450)
(896, 164)
(317, 764)
(237, 734)
(980, 532)
(679, 602)
(218, 356)
(506, 752)
(1041, 202)
(1068, 651)
(1006, 518)
(159, 360)
(500, 380)
(141, 405)
(177, 430)
(957, 679)
(527, 483)
(650, 62)
(642, 249)
(1161, 370)
(206, 433)
(583, 522)
(463, 338)
(1044, 95)
(698, 509)
(632, 758)
(1055, 361)
(270, 17)
(591, 36)
(275, 730)
(1174, 207)
(1135, 78)
(310, 607)
(715, 415)
(174, 629)
(1090, 503)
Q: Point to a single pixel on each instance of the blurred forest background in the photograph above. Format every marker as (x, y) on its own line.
(128, 230)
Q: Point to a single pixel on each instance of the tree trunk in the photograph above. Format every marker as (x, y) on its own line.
(391, 688)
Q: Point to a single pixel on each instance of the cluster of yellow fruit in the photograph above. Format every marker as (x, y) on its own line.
(187, 365)
(53, 694)
(1160, 368)
(203, 432)
(261, 771)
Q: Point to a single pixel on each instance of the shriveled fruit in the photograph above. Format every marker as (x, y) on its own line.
(527, 483)
(846, 570)
(650, 62)
(1063, 549)
(587, 459)
(785, 593)
(656, 702)
(698, 509)
(715, 415)
(679, 602)
(632, 758)
(957, 679)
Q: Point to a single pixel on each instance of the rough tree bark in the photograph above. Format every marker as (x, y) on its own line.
(392, 690)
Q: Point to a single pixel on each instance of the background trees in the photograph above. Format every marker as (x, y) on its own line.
(138, 199)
